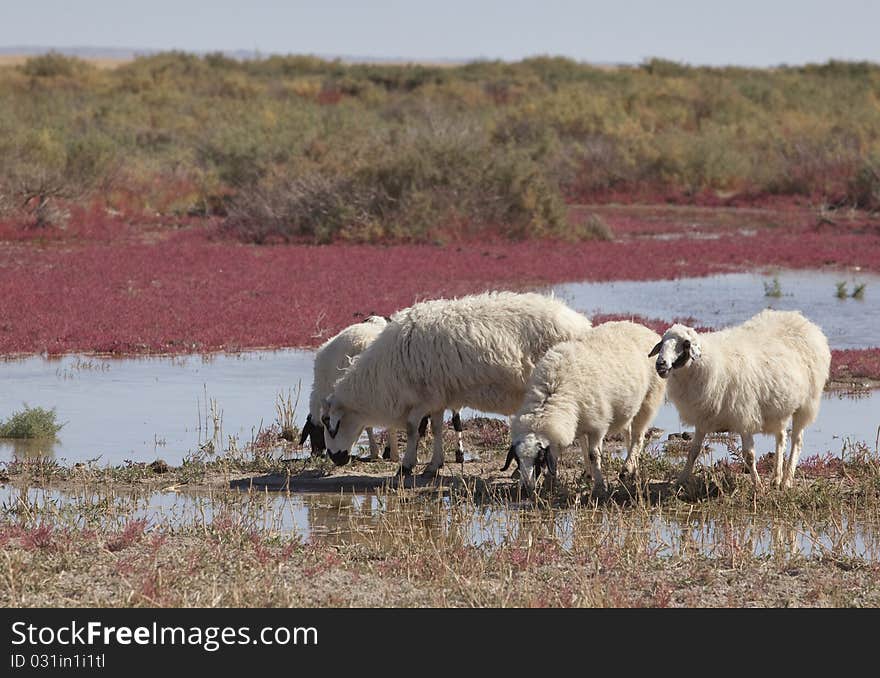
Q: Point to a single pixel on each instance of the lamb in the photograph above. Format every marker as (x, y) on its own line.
(331, 359)
(477, 351)
(586, 389)
(748, 379)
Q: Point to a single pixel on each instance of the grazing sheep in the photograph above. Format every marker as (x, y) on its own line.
(748, 379)
(476, 351)
(587, 388)
(331, 359)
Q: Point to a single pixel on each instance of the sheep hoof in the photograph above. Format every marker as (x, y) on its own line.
(430, 472)
(386, 453)
(403, 471)
(459, 456)
(626, 475)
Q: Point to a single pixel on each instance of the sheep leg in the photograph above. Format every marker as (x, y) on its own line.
(780, 457)
(585, 450)
(374, 448)
(436, 463)
(797, 444)
(391, 448)
(633, 441)
(748, 453)
(456, 424)
(595, 456)
(414, 433)
(639, 427)
(693, 452)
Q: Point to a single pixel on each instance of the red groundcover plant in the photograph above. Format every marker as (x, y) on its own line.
(108, 286)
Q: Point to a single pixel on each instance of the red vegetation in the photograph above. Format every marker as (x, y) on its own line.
(854, 363)
(104, 284)
(128, 536)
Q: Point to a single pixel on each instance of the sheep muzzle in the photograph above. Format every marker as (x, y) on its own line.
(340, 458)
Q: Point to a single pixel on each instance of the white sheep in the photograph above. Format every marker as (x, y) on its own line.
(333, 356)
(476, 351)
(587, 388)
(748, 379)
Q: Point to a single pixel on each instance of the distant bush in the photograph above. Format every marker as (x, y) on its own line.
(865, 186)
(52, 65)
(42, 166)
(420, 187)
(300, 147)
(31, 422)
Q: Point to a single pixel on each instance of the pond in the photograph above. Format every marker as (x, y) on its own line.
(722, 300)
(140, 409)
(371, 518)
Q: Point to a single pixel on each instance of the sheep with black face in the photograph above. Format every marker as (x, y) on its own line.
(476, 351)
(753, 378)
(585, 389)
(333, 356)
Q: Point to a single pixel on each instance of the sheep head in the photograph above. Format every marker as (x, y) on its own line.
(532, 454)
(343, 427)
(679, 346)
(315, 433)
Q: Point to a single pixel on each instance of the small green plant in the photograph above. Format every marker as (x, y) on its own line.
(772, 288)
(841, 290)
(859, 291)
(31, 422)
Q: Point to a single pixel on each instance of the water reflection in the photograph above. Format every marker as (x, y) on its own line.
(390, 521)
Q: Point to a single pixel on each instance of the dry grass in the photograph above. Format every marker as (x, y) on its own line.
(75, 537)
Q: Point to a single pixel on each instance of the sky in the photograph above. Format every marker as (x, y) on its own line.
(738, 32)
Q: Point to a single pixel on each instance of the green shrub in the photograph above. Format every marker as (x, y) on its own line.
(408, 186)
(30, 422)
(53, 65)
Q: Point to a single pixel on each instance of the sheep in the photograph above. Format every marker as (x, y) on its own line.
(748, 379)
(476, 351)
(586, 389)
(331, 359)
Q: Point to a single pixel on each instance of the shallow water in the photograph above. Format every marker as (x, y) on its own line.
(369, 518)
(141, 409)
(722, 300)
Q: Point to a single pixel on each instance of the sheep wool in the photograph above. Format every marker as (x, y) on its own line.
(748, 379)
(587, 388)
(477, 351)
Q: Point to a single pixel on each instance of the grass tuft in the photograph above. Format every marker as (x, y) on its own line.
(31, 422)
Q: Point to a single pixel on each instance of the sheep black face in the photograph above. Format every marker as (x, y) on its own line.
(343, 428)
(532, 455)
(315, 433)
(679, 346)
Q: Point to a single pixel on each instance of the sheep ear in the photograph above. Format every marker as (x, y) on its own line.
(307, 429)
(511, 456)
(551, 462)
(656, 349)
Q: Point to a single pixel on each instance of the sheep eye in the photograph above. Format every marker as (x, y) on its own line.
(686, 345)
